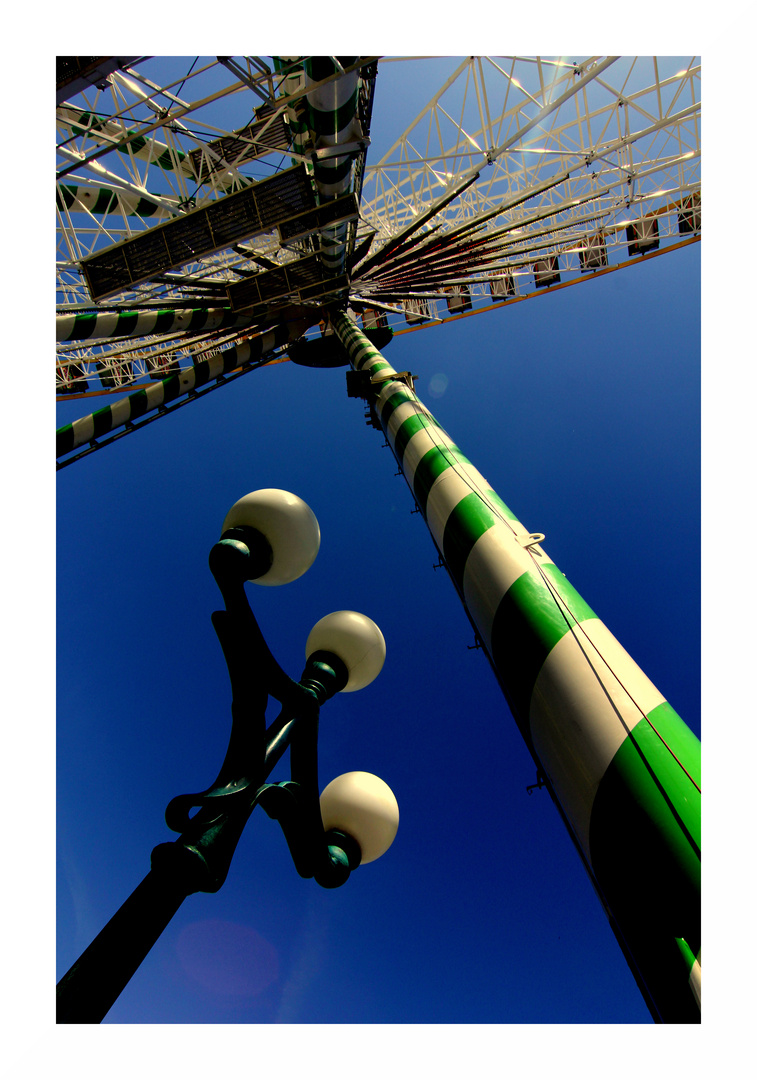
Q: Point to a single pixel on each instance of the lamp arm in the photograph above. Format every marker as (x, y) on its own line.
(240, 636)
(254, 674)
(211, 835)
(296, 804)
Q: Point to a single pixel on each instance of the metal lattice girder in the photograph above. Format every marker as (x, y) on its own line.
(97, 129)
(297, 281)
(690, 214)
(236, 217)
(338, 211)
(75, 73)
(521, 121)
(544, 153)
(272, 284)
(268, 133)
(593, 253)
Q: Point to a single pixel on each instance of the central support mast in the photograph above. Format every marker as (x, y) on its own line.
(620, 764)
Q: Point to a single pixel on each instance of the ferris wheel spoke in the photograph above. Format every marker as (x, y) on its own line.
(556, 174)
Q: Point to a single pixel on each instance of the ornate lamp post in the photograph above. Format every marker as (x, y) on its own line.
(269, 537)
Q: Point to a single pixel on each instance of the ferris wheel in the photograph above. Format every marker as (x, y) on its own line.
(217, 215)
(211, 211)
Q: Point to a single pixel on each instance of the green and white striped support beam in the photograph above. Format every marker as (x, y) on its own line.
(294, 83)
(620, 764)
(80, 198)
(331, 121)
(91, 325)
(130, 408)
(332, 111)
(80, 122)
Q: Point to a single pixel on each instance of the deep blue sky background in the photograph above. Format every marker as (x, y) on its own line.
(582, 410)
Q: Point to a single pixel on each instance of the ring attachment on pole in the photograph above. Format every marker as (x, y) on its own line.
(406, 377)
(529, 540)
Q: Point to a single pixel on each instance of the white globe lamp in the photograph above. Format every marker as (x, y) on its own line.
(364, 807)
(355, 639)
(289, 526)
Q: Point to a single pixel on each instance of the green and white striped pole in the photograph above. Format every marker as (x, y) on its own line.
(620, 764)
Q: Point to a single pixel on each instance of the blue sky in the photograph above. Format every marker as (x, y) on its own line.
(582, 409)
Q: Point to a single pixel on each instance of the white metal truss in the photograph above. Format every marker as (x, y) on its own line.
(519, 173)
(563, 151)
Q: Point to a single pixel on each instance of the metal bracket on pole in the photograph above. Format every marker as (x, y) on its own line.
(529, 540)
(540, 782)
(396, 376)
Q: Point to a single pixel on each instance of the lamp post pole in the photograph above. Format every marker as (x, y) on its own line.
(355, 819)
(621, 766)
